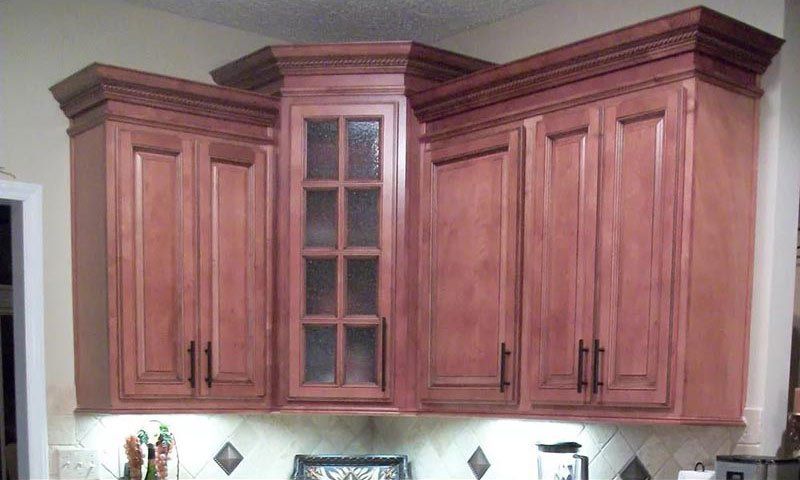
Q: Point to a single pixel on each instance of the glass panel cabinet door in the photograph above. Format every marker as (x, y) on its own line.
(341, 247)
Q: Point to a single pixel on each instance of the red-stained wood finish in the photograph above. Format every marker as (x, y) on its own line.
(157, 271)
(560, 226)
(468, 270)
(172, 230)
(357, 68)
(234, 283)
(638, 215)
(720, 265)
(637, 242)
(569, 235)
(342, 252)
(339, 82)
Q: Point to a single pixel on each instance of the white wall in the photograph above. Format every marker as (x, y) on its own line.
(563, 21)
(41, 42)
(782, 190)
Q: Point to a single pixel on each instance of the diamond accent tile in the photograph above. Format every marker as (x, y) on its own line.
(478, 463)
(228, 458)
(634, 471)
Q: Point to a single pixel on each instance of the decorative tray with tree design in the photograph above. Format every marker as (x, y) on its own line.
(351, 467)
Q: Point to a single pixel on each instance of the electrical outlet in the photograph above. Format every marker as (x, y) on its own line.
(75, 463)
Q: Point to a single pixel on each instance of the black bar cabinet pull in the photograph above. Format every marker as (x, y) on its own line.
(596, 383)
(383, 354)
(192, 361)
(503, 354)
(208, 359)
(581, 352)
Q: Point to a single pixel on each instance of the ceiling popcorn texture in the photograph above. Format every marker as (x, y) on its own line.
(346, 20)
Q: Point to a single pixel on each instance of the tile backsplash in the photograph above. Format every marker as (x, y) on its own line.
(437, 447)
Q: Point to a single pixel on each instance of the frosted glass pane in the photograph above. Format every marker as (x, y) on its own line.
(320, 353)
(321, 286)
(362, 286)
(364, 149)
(321, 218)
(360, 355)
(362, 218)
(322, 149)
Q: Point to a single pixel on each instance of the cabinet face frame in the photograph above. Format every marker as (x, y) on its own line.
(562, 165)
(383, 322)
(503, 151)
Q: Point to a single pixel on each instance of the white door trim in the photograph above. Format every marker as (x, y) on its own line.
(27, 252)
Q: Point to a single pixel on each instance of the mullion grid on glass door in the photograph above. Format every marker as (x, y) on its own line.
(356, 326)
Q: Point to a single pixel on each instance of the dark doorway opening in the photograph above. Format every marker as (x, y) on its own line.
(8, 432)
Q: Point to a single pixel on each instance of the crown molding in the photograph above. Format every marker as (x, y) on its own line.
(98, 84)
(273, 63)
(700, 31)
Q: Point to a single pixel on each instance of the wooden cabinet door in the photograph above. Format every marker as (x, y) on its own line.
(637, 243)
(156, 262)
(341, 241)
(468, 279)
(235, 251)
(560, 227)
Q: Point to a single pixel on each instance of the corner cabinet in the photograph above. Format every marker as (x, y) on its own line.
(172, 217)
(348, 216)
(342, 223)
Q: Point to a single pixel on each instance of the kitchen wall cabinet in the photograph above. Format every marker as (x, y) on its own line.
(347, 179)
(172, 241)
(559, 291)
(638, 241)
(155, 186)
(566, 236)
(341, 249)
(235, 202)
(601, 275)
(470, 226)
(638, 215)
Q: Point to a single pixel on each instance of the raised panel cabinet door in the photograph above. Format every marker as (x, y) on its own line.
(632, 356)
(470, 228)
(559, 245)
(341, 249)
(156, 262)
(235, 248)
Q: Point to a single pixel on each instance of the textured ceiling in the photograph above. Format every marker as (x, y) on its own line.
(346, 20)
